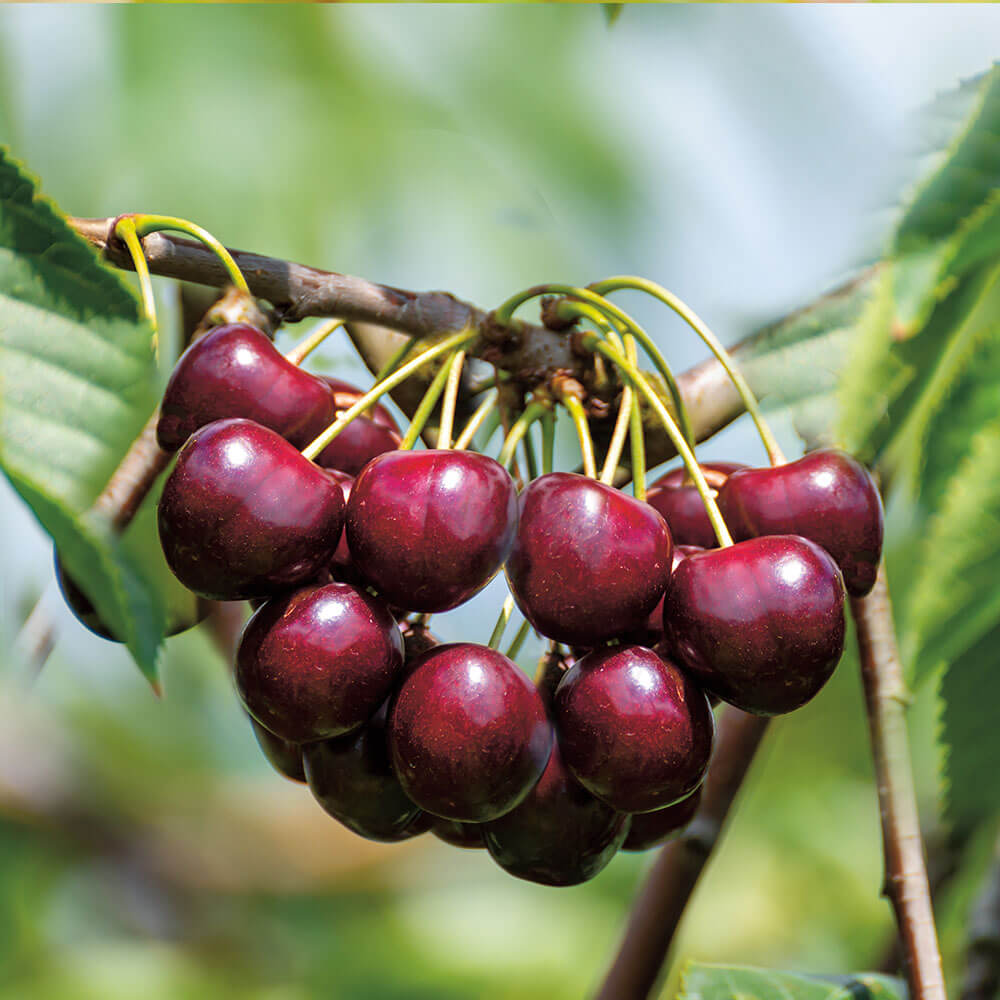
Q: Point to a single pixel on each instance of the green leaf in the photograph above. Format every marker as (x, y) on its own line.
(736, 982)
(77, 384)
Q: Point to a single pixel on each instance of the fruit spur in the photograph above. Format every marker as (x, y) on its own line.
(721, 583)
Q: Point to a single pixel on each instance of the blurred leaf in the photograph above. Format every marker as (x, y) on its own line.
(77, 383)
(734, 982)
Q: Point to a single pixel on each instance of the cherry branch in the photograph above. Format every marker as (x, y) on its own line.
(906, 884)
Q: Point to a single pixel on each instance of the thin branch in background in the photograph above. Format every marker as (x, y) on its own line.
(982, 960)
(37, 637)
(661, 902)
(906, 884)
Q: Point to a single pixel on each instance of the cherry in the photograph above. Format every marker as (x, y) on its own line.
(826, 496)
(651, 634)
(284, 756)
(650, 829)
(466, 835)
(760, 624)
(560, 834)
(353, 780)
(633, 729)
(468, 733)
(317, 663)
(341, 563)
(244, 515)
(346, 395)
(429, 529)
(678, 500)
(357, 444)
(235, 371)
(589, 563)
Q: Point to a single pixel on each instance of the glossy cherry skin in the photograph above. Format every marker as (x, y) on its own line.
(244, 515)
(466, 835)
(341, 562)
(235, 371)
(346, 395)
(652, 632)
(317, 663)
(589, 563)
(353, 780)
(827, 496)
(681, 505)
(650, 829)
(633, 729)
(429, 529)
(357, 444)
(283, 756)
(760, 624)
(560, 834)
(468, 733)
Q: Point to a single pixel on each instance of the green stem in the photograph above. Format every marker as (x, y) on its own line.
(622, 424)
(630, 371)
(450, 400)
(532, 412)
(305, 347)
(126, 231)
(146, 224)
(505, 612)
(714, 344)
(530, 460)
(515, 647)
(396, 358)
(636, 436)
(426, 408)
(579, 415)
(383, 386)
(485, 408)
(548, 441)
(491, 424)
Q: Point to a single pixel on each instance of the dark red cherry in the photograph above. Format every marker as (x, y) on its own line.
(429, 529)
(466, 835)
(244, 515)
(285, 757)
(357, 444)
(346, 395)
(650, 829)
(318, 663)
(633, 729)
(760, 624)
(827, 496)
(341, 561)
(589, 563)
(560, 834)
(652, 632)
(468, 733)
(235, 371)
(353, 780)
(680, 503)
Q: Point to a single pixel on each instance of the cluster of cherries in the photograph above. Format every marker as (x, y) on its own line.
(396, 733)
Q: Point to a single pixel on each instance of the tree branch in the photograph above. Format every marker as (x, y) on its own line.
(906, 883)
(672, 879)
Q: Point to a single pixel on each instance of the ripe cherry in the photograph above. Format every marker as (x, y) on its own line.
(589, 563)
(346, 395)
(760, 624)
(317, 663)
(466, 835)
(244, 515)
(633, 729)
(285, 757)
(353, 780)
(429, 529)
(357, 444)
(650, 829)
(235, 371)
(826, 496)
(679, 502)
(341, 564)
(560, 834)
(468, 733)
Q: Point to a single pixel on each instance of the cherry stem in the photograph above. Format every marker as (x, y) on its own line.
(629, 370)
(579, 415)
(491, 424)
(530, 459)
(383, 386)
(125, 230)
(518, 641)
(146, 224)
(305, 347)
(636, 435)
(450, 400)
(715, 346)
(485, 408)
(396, 358)
(548, 441)
(505, 612)
(532, 412)
(426, 408)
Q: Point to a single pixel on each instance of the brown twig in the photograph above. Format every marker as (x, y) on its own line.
(672, 879)
(906, 884)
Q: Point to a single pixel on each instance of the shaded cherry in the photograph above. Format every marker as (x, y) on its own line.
(353, 780)
(633, 729)
(651, 829)
(827, 496)
(678, 500)
(346, 395)
(284, 756)
(465, 835)
(341, 563)
(760, 624)
(317, 663)
(357, 444)
(560, 834)
(429, 529)
(235, 371)
(244, 515)
(468, 733)
(651, 634)
(589, 563)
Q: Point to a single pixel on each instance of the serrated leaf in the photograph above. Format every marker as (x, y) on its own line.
(77, 384)
(736, 982)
